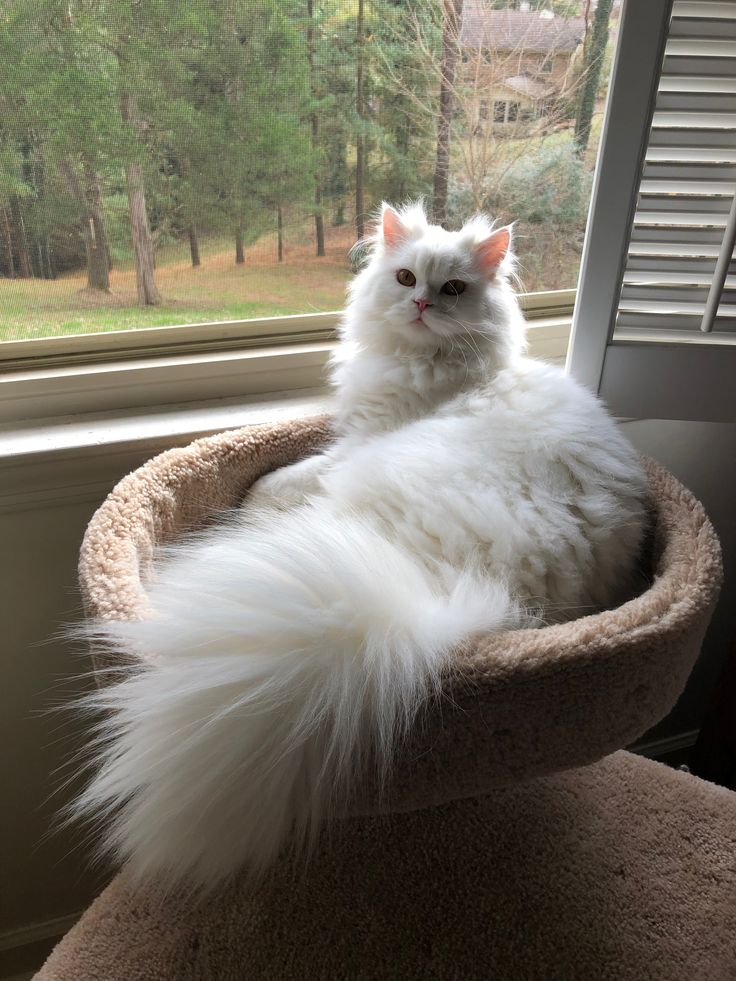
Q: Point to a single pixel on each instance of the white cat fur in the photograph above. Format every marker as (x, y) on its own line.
(469, 489)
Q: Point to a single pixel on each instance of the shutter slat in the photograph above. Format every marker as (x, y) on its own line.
(698, 47)
(696, 102)
(668, 264)
(669, 322)
(678, 64)
(674, 250)
(692, 154)
(694, 120)
(690, 172)
(724, 9)
(712, 139)
(703, 30)
(681, 219)
(659, 235)
(681, 280)
(673, 306)
(705, 204)
(694, 188)
(715, 84)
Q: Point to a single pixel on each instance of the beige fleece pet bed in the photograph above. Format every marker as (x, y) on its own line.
(505, 885)
(524, 703)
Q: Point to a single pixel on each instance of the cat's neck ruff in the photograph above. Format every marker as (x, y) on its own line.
(383, 386)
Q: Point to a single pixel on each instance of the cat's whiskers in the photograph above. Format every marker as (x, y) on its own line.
(468, 336)
(464, 356)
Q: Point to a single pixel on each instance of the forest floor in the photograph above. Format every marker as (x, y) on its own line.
(221, 290)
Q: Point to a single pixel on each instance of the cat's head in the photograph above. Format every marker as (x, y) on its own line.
(426, 288)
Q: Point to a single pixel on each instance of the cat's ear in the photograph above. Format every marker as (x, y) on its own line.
(394, 231)
(491, 252)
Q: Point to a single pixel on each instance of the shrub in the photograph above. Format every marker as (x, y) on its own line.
(549, 186)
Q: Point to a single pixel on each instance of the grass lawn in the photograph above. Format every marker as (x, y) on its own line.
(216, 290)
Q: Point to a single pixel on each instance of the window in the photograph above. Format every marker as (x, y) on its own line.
(196, 163)
(655, 327)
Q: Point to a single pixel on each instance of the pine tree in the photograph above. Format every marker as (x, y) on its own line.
(595, 49)
(453, 11)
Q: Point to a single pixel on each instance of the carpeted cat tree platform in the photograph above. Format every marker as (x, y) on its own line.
(510, 844)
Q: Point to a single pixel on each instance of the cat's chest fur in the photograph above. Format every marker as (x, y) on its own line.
(378, 393)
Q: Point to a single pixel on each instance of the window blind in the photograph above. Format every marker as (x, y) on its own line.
(679, 278)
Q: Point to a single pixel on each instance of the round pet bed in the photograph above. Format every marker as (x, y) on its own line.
(519, 704)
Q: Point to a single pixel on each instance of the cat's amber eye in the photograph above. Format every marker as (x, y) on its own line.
(453, 287)
(406, 277)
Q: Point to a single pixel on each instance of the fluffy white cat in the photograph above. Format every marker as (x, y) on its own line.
(469, 489)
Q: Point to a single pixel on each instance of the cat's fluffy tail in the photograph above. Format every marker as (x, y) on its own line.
(281, 656)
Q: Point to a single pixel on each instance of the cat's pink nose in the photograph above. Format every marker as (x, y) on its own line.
(423, 304)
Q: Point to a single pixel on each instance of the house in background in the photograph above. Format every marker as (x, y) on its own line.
(521, 62)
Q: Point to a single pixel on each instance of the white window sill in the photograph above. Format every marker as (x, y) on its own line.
(74, 450)
(76, 435)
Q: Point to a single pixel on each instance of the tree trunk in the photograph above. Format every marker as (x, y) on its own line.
(592, 75)
(280, 232)
(48, 260)
(8, 234)
(32, 177)
(194, 246)
(148, 294)
(239, 250)
(98, 267)
(453, 10)
(319, 223)
(140, 232)
(92, 226)
(360, 112)
(25, 270)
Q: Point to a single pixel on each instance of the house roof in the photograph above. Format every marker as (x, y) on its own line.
(528, 86)
(514, 30)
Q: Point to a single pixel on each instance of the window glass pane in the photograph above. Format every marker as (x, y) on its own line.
(183, 162)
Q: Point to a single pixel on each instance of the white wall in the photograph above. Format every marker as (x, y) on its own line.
(45, 871)
(43, 876)
(703, 456)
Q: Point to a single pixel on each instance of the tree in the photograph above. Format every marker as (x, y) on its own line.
(595, 49)
(86, 192)
(452, 19)
(140, 232)
(319, 225)
(405, 84)
(360, 148)
(13, 189)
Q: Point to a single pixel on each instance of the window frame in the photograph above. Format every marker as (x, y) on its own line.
(160, 366)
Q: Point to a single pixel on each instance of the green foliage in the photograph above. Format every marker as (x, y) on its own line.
(548, 186)
(224, 98)
(403, 83)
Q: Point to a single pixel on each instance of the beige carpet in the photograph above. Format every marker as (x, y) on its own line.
(623, 870)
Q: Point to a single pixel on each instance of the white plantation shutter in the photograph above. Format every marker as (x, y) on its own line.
(655, 324)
